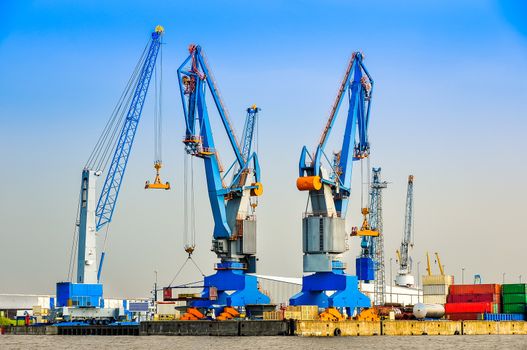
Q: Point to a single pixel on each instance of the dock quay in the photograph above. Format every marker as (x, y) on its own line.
(284, 328)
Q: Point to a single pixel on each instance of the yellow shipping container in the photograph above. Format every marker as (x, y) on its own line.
(438, 279)
(273, 315)
(292, 315)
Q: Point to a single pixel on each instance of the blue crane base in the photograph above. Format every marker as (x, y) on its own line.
(346, 295)
(234, 288)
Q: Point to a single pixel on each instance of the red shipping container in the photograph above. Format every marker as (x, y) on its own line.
(464, 316)
(473, 298)
(453, 308)
(475, 289)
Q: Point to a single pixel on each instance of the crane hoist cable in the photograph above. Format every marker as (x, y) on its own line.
(189, 208)
(158, 127)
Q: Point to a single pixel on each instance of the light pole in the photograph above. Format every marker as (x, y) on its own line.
(155, 291)
(391, 280)
(462, 275)
(503, 278)
(418, 281)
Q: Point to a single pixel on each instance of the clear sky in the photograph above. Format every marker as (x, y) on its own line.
(450, 107)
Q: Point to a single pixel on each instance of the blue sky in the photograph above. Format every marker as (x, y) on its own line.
(449, 106)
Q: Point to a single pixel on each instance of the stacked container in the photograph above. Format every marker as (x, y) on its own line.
(435, 288)
(514, 298)
(472, 301)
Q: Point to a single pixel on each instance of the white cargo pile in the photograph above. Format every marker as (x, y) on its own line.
(435, 288)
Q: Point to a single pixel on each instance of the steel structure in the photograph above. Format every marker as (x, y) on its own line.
(324, 231)
(404, 276)
(234, 235)
(372, 247)
(95, 214)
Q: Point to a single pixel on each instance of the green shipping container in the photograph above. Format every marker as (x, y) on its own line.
(517, 288)
(514, 298)
(513, 308)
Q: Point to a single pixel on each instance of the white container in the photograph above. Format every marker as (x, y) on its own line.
(435, 289)
(434, 299)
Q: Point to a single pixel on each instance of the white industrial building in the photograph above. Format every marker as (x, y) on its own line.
(280, 289)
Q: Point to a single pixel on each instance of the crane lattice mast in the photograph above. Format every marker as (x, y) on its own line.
(376, 223)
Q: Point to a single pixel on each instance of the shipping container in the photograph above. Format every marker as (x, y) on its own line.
(514, 308)
(434, 299)
(514, 298)
(435, 289)
(503, 317)
(464, 316)
(451, 308)
(475, 289)
(473, 298)
(437, 279)
(516, 288)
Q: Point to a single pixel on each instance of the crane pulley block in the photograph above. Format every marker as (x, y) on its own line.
(157, 184)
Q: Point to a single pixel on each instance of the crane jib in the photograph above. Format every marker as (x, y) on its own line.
(114, 178)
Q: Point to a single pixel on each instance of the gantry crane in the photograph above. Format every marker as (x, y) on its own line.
(83, 299)
(324, 228)
(404, 276)
(370, 263)
(234, 235)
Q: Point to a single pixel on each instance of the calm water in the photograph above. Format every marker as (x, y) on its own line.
(238, 343)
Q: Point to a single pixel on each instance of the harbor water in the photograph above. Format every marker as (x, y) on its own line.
(8, 342)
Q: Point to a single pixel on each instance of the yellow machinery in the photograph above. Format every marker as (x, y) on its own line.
(439, 263)
(331, 314)
(365, 229)
(157, 184)
(369, 314)
(428, 268)
(192, 314)
(228, 314)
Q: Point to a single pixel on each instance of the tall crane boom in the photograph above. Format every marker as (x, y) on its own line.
(404, 278)
(114, 179)
(94, 214)
(324, 231)
(234, 235)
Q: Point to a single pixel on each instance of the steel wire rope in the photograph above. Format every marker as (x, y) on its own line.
(74, 241)
(102, 141)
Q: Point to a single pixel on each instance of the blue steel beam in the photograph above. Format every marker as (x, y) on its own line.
(357, 85)
(114, 178)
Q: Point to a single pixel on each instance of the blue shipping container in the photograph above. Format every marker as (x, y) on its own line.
(503, 317)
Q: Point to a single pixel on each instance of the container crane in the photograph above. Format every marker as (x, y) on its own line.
(324, 228)
(83, 299)
(404, 276)
(234, 235)
(370, 264)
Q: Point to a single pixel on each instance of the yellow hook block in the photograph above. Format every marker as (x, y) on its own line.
(157, 181)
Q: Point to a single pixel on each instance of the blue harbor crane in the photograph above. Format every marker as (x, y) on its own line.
(83, 299)
(232, 192)
(324, 227)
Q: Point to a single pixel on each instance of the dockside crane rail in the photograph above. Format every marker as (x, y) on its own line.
(324, 231)
(95, 214)
(404, 277)
(234, 235)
